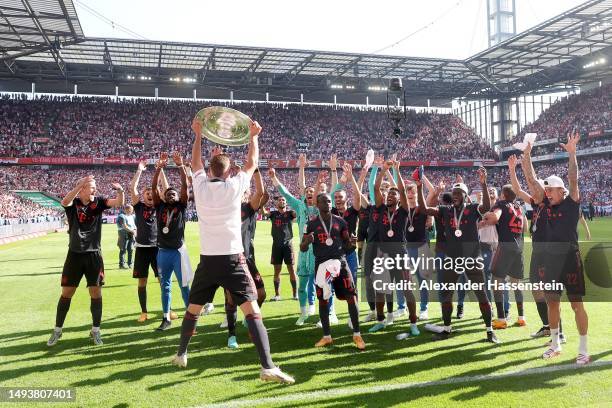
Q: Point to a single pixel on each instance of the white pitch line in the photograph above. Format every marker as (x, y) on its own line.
(341, 392)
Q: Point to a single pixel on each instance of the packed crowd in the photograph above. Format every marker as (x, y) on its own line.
(585, 112)
(595, 180)
(15, 209)
(101, 127)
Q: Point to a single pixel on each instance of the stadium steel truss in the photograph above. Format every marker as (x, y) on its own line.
(43, 40)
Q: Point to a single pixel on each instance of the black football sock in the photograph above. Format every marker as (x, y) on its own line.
(501, 313)
(96, 311)
(293, 287)
(142, 298)
(231, 311)
(543, 312)
(486, 314)
(187, 330)
(518, 296)
(353, 314)
(259, 335)
(447, 312)
(62, 310)
(324, 315)
(276, 287)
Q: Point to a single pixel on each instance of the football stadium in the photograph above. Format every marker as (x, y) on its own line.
(290, 205)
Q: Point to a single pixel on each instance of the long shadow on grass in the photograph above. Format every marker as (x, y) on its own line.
(523, 386)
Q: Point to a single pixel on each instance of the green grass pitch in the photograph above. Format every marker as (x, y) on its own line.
(132, 368)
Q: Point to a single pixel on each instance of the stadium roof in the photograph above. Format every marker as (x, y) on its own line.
(43, 40)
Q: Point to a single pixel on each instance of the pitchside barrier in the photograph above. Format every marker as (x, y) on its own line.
(18, 230)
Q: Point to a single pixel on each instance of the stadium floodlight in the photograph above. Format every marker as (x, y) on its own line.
(396, 112)
(145, 78)
(377, 88)
(336, 86)
(350, 86)
(594, 63)
(189, 80)
(130, 77)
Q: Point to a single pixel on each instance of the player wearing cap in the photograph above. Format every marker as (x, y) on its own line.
(329, 235)
(84, 214)
(460, 223)
(563, 262)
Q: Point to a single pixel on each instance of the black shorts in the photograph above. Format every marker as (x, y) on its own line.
(145, 257)
(537, 266)
(566, 268)
(78, 264)
(250, 262)
(282, 253)
(507, 262)
(343, 284)
(227, 271)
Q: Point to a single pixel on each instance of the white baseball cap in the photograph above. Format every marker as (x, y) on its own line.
(554, 182)
(461, 187)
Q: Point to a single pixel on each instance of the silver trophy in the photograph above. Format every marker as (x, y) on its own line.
(225, 126)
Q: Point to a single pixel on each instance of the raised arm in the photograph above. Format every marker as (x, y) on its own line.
(161, 163)
(516, 186)
(256, 197)
(421, 200)
(348, 172)
(400, 185)
(293, 202)
(378, 198)
(265, 197)
(362, 175)
(333, 167)
(134, 183)
(486, 200)
(321, 179)
(118, 201)
(572, 174)
(178, 160)
(196, 149)
(302, 174)
(253, 155)
(372, 182)
(431, 191)
(163, 181)
(69, 198)
(536, 190)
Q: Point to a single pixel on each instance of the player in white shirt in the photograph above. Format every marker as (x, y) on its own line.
(218, 198)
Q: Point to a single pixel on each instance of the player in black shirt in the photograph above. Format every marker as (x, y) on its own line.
(563, 262)
(538, 230)
(282, 245)
(146, 238)
(171, 218)
(331, 240)
(507, 216)
(416, 237)
(251, 204)
(392, 219)
(460, 222)
(350, 214)
(84, 214)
